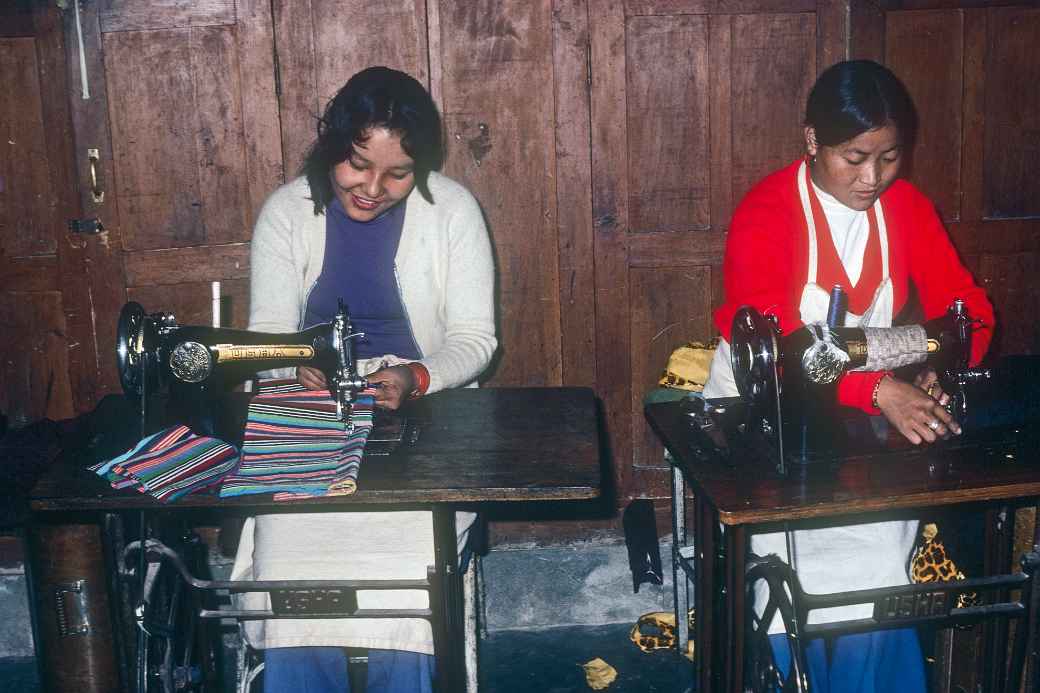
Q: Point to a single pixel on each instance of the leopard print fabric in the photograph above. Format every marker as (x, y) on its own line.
(656, 631)
(930, 563)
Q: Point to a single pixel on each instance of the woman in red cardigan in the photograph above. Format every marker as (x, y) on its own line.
(842, 216)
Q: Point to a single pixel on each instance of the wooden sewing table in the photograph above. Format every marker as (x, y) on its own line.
(475, 446)
(735, 497)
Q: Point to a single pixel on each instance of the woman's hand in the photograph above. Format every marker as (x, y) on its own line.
(922, 419)
(311, 378)
(397, 384)
(928, 380)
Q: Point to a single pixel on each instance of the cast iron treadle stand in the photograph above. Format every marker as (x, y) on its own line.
(295, 599)
(932, 603)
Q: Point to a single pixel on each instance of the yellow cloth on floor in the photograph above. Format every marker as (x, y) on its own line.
(599, 674)
(688, 366)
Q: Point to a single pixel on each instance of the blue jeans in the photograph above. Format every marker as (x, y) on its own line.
(882, 661)
(324, 670)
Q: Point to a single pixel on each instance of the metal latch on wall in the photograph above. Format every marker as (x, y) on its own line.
(70, 605)
(89, 226)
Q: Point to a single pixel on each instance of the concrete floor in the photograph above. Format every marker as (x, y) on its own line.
(550, 660)
(516, 661)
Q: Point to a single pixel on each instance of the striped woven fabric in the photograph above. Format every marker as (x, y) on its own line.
(169, 464)
(296, 447)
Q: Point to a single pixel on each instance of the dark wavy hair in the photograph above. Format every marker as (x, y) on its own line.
(855, 96)
(376, 97)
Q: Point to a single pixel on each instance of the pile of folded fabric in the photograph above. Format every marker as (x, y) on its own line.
(295, 446)
(170, 464)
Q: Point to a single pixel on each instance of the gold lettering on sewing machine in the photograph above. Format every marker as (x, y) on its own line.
(261, 352)
(857, 351)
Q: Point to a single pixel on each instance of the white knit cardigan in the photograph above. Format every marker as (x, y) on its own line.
(443, 266)
(445, 273)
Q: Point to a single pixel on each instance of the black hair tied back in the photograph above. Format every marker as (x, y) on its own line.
(856, 96)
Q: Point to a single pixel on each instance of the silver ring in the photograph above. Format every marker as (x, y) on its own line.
(934, 425)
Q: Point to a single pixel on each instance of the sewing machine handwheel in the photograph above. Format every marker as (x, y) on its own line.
(753, 353)
(130, 347)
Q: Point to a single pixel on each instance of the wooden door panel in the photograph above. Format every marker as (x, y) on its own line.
(151, 85)
(41, 345)
(497, 80)
(184, 113)
(667, 104)
(177, 136)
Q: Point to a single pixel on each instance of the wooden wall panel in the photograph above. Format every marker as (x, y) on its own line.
(34, 373)
(1011, 282)
(668, 151)
(772, 69)
(497, 83)
(150, 81)
(190, 302)
(1012, 138)
(609, 218)
(184, 112)
(591, 132)
(670, 306)
(731, 78)
(679, 7)
(571, 70)
(321, 44)
(720, 129)
(178, 184)
(37, 342)
(26, 193)
(220, 152)
(925, 49)
(134, 15)
(969, 70)
(209, 263)
(261, 124)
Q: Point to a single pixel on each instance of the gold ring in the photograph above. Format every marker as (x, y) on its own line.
(931, 388)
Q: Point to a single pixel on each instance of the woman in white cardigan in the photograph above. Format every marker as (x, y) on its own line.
(372, 219)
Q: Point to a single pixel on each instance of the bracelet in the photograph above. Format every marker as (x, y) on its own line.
(877, 386)
(420, 378)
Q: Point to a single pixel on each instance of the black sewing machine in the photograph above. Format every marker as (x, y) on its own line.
(787, 409)
(194, 368)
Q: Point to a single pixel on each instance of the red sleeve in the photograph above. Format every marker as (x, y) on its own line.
(761, 266)
(940, 277)
(856, 389)
(921, 249)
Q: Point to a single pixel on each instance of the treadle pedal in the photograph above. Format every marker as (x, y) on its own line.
(322, 602)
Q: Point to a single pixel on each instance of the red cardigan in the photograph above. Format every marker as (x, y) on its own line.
(766, 265)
